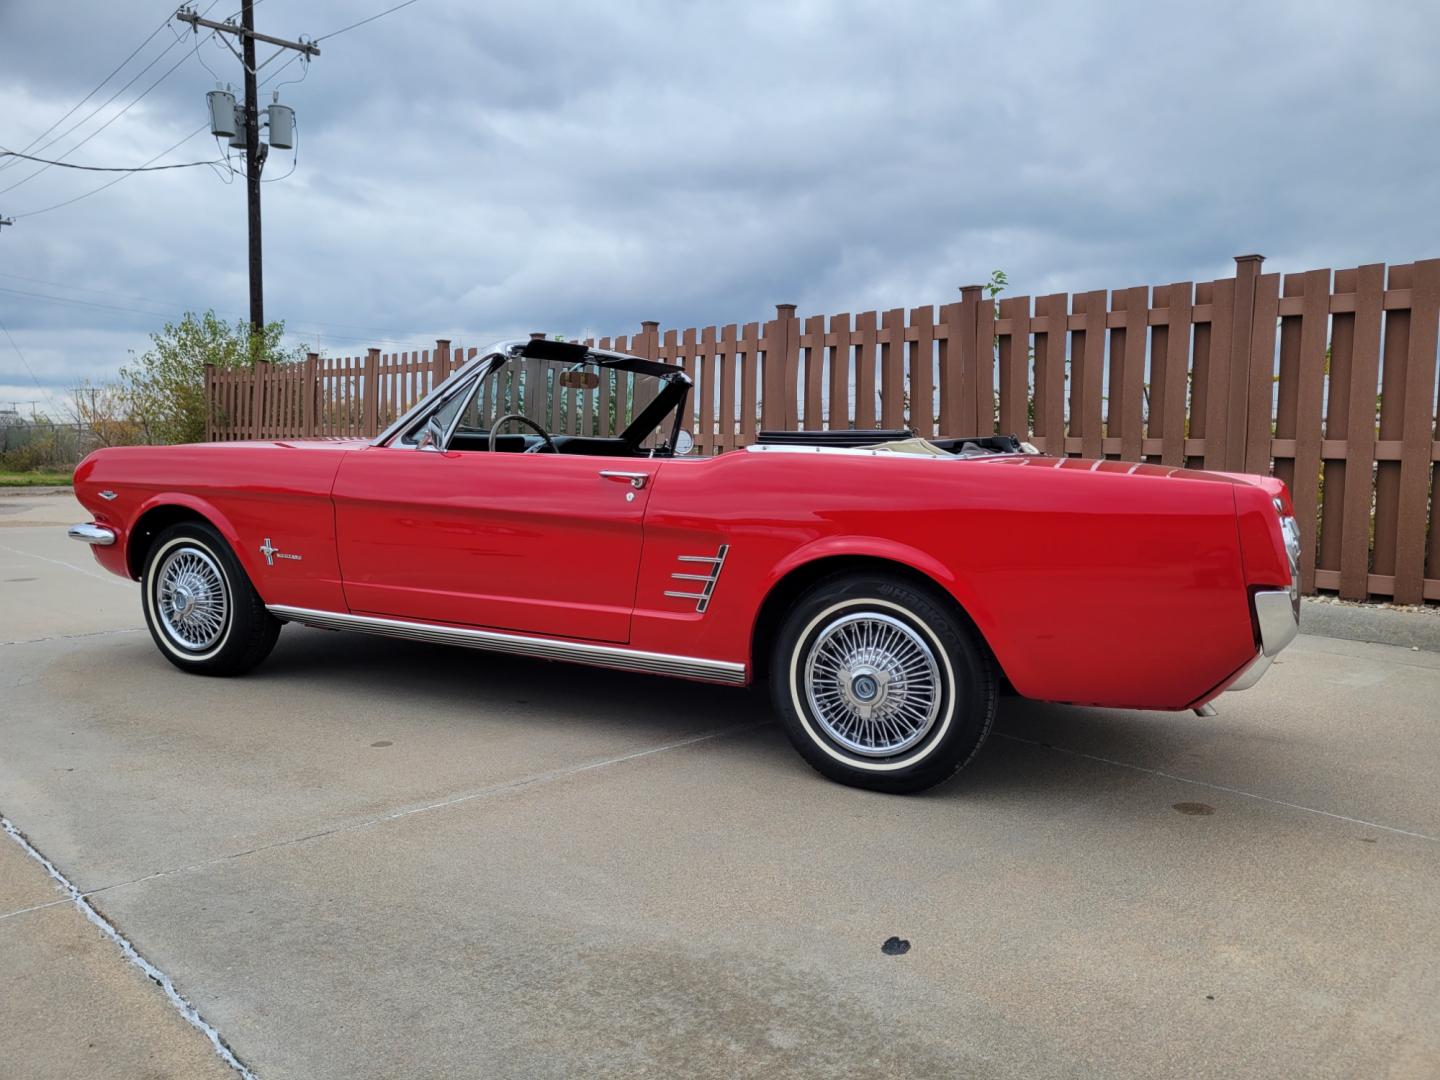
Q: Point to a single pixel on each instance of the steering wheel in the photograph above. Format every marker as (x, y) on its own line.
(548, 444)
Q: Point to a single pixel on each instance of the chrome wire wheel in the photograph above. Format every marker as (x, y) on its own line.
(873, 683)
(191, 598)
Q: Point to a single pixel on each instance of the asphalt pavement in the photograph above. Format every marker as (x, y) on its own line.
(376, 858)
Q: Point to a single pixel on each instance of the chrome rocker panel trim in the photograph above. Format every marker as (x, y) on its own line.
(90, 533)
(610, 656)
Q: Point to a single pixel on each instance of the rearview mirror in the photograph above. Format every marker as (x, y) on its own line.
(684, 442)
(579, 380)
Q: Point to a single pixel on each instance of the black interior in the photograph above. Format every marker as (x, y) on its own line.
(517, 443)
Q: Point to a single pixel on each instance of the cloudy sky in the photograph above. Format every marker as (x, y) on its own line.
(474, 170)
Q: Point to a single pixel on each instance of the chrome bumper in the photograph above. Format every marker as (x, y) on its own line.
(1277, 613)
(90, 533)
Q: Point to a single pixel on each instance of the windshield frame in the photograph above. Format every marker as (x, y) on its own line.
(673, 395)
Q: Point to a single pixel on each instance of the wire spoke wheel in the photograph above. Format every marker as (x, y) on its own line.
(192, 599)
(873, 683)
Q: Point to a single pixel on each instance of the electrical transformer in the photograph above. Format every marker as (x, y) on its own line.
(222, 113)
(282, 126)
(237, 140)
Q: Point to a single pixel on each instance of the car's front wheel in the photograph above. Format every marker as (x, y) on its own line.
(881, 683)
(202, 611)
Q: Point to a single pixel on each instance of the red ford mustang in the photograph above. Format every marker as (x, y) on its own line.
(888, 587)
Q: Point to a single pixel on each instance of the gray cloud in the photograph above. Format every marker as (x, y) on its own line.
(478, 171)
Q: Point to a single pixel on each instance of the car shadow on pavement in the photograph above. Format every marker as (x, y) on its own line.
(1021, 755)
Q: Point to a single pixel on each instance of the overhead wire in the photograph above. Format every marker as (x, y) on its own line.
(157, 157)
(168, 72)
(105, 168)
(26, 365)
(99, 86)
(175, 305)
(362, 22)
(112, 183)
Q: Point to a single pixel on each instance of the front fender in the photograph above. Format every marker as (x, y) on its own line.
(205, 508)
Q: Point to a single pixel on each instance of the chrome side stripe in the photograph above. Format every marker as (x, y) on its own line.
(611, 656)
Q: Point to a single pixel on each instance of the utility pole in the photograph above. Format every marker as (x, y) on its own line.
(252, 169)
(255, 153)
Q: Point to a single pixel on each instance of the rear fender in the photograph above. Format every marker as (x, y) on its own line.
(875, 547)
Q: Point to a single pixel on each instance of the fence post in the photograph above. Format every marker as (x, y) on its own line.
(649, 346)
(1247, 272)
(370, 402)
(310, 387)
(210, 402)
(440, 362)
(257, 399)
(968, 410)
(789, 368)
(1417, 434)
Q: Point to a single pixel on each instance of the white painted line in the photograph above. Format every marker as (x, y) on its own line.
(113, 579)
(503, 787)
(182, 1006)
(1222, 787)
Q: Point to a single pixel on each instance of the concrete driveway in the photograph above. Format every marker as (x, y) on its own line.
(379, 859)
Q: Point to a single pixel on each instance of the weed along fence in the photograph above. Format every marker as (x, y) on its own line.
(1326, 379)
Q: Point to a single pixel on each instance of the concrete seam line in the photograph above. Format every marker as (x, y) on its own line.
(68, 637)
(159, 978)
(32, 907)
(1223, 787)
(110, 579)
(501, 788)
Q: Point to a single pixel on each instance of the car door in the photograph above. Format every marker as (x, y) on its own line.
(538, 543)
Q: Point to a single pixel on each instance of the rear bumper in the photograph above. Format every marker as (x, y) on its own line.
(1277, 614)
(90, 533)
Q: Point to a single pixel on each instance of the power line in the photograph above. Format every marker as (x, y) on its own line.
(169, 71)
(111, 183)
(73, 288)
(26, 364)
(169, 306)
(101, 168)
(81, 303)
(362, 22)
(164, 23)
(99, 108)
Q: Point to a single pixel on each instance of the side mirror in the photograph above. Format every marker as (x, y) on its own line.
(429, 437)
(684, 442)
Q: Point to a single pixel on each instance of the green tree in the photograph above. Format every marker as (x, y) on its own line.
(165, 385)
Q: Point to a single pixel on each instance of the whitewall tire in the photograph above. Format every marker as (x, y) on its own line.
(881, 683)
(202, 611)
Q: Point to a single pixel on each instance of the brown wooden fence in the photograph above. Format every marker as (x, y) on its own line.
(1328, 380)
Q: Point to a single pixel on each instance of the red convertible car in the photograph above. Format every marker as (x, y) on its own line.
(887, 587)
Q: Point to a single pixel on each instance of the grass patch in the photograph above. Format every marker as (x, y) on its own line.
(34, 479)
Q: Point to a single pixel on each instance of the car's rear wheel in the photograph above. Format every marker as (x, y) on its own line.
(201, 609)
(881, 683)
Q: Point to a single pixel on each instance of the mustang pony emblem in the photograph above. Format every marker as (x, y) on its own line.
(272, 553)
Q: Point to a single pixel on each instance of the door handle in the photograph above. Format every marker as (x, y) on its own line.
(636, 480)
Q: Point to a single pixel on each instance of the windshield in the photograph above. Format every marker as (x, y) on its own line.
(581, 402)
(566, 399)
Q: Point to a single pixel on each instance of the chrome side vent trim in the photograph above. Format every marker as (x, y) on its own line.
(700, 593)
(610, 656)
